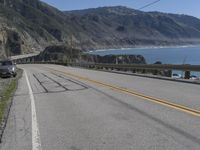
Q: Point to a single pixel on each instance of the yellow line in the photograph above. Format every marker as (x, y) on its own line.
(134, 93)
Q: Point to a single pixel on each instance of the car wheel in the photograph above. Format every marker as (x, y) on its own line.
(14, 75)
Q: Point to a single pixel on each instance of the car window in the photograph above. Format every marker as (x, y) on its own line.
(6, 63)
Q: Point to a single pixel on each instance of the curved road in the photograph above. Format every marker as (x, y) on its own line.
(64, 108)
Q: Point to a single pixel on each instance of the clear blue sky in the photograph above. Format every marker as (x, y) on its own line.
(190, 7)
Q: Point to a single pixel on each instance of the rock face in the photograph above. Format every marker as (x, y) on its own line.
(29, 25)
(115, 59)
(62, 53)
(59, 53)
(36, 24)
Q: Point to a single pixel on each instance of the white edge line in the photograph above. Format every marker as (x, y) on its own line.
(36, 142)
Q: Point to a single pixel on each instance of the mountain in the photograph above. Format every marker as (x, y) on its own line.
(29, 25)
(125, 27)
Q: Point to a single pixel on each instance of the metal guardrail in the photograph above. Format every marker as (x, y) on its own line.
(143, 66)
(153, 68)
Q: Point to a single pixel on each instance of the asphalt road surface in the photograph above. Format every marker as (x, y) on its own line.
(64, 108)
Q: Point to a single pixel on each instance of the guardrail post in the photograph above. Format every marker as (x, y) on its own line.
(118, 69)
(143, 71)
(155, 72)
(187, 74)
(32, 59)
(168, 73)
(134, 71)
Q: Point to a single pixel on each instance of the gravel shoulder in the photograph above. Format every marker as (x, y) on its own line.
(7, 89)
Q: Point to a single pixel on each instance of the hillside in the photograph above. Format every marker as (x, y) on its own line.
(29, 25)
(125, 27)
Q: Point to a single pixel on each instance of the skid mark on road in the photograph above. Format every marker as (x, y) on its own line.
(163, 102)
(73, 81)
(53, 83)
(41, 84)
(58, 83)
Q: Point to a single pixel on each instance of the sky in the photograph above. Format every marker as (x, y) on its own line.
(189, 7)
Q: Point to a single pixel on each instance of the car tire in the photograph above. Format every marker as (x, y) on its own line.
(14, 75)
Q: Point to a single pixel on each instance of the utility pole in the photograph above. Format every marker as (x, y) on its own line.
(116, 61)
(71, 48)
(4, 3)
(80, 53)
(184, 60)
(3, 31)
(3, 35)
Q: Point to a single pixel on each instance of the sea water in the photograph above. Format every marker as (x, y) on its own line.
(170, 55)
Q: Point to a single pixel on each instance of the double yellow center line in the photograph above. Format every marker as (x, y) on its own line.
(137, 94)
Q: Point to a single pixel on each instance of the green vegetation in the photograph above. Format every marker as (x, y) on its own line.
(5, 96)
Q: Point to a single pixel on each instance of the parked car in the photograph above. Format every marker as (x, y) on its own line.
(193, 77)
(176, 76)
(7, 68)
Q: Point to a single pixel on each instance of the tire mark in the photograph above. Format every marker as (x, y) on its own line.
(76, 82)
(55, 81)
(46, 91)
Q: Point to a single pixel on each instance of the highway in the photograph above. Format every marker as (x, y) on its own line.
(24, 56)
(64, 108)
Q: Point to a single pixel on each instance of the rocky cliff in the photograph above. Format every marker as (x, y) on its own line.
(64, 54)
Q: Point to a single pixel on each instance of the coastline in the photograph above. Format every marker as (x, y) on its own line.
(144, 48)
(187, 54)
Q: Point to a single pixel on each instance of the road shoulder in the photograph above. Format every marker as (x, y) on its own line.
(17, 134)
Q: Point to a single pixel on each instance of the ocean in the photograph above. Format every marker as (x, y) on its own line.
(170, 55)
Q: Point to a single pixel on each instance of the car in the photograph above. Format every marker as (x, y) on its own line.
(8, 68)
(176, 76)
(193, 77)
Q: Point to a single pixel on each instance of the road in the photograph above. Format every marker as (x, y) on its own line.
(24, 56)
(65, 108)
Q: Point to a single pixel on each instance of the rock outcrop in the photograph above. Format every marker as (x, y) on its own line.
(62, 53)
